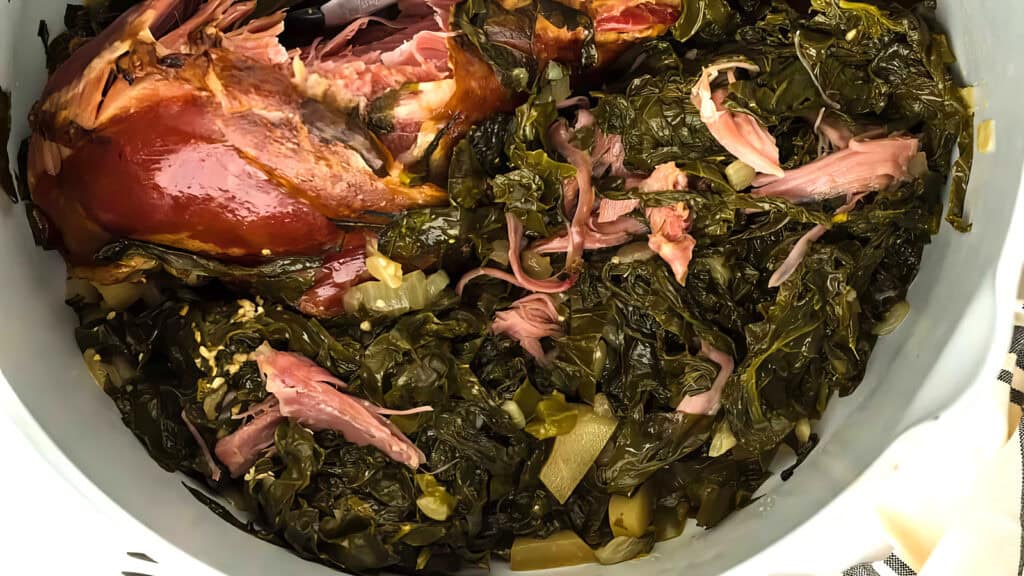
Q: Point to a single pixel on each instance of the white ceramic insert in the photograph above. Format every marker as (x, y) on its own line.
(956, 334)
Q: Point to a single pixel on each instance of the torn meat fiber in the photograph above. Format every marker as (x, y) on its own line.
(709, 402)
(240, 449)
(305, 392)
(528, 320)
(670, 225)
(741, 134)
(362, 62)
(864, 166)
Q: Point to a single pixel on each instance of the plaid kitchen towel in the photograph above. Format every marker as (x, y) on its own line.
(951, 500)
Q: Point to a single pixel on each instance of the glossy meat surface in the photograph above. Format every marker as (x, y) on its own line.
(213, 149)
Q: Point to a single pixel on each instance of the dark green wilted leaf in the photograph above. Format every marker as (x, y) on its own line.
(6, 178)
(631, 341)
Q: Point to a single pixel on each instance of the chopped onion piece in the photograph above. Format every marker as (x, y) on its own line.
(987, 136)
(740, 175)
(121, 296)
(514, 412)
(623, 548)
(416, 292)
(722, 441)
(802, 430)
(436, 283)
(381, 267)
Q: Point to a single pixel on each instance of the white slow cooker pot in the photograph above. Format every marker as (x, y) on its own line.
(956, 334)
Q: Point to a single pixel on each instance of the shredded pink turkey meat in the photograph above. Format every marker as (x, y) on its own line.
(599, 235)
(803, 246)
(864, 166)
(361, 63)
(561, 136)
(518, 277)
(796, 255)
(203, 448)
(708, 402)
(609, 154)
(582, 190)
(240, 449)
(305, 393)
(611, 210)
(740, 134)
(528, 320)
(677, 253)
(669, 235)
(666, 176)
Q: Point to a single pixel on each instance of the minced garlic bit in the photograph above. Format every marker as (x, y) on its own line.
(97, 358)
(365, 326)
(183, 311)
(210, 355)
(247, 311)
(987, 136)
(235, 365)
(111, 315)
(266, 252)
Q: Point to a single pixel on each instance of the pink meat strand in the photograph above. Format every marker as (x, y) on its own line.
(561, 136)
(518, 277)
(740, 134)
(576, 237)
(599, 235)
(864, 166)
(803, 245)
(709, 402)
(528, 320)
(240, 449)
(210, 462)
(306, 393)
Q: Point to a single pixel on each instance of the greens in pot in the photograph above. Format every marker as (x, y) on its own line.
(642, 291)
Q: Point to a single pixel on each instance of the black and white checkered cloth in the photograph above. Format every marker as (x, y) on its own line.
(893, 565)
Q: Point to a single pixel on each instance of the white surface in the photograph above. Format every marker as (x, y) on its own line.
(48, 527)
(965, 291)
